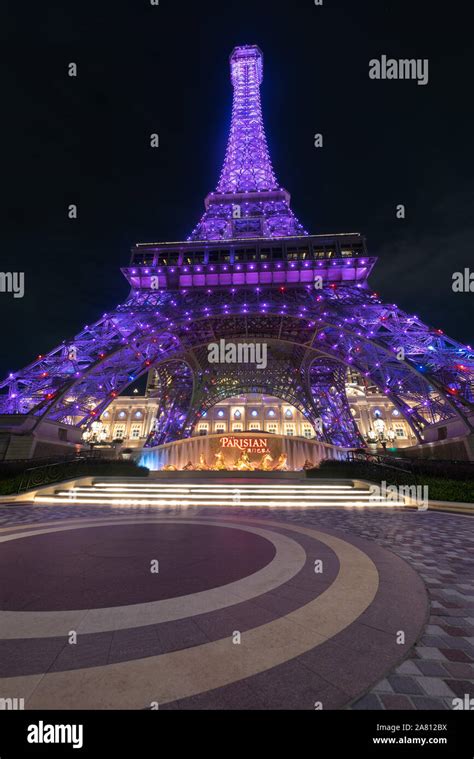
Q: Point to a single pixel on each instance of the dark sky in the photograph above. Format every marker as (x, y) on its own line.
(145, 69)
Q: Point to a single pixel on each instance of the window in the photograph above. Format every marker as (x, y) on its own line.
(168, 259)
(272, 427)
(297, 254)
(254, 426)
(289, 430)
(119, 431)
(135, 432)
(220, 427)
(400, 431)
(237, 428)
(143, 259)
(442, 433)
(213, 256)
(307, 431)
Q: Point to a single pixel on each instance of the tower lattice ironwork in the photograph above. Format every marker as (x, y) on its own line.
(249, 272)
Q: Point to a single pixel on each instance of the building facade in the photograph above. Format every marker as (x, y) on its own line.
(130, 418)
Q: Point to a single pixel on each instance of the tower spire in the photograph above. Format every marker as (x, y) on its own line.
(248, 201)
(247, 166)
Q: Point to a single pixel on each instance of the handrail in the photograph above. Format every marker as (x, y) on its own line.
(37, 476)
(415, 461)
(378, 460)
(42, 461)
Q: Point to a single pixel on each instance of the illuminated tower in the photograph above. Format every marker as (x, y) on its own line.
(249, 272)
(248, 201)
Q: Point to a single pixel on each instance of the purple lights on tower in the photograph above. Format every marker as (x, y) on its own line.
(247, 166)
(248, 201)
(250, 272)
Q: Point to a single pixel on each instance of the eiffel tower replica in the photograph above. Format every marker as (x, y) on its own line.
(250, 273)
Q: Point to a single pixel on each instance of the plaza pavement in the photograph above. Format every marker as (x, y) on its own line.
(236, 617)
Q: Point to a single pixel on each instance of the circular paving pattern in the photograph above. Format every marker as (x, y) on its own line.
(243, 613)
(89, 569)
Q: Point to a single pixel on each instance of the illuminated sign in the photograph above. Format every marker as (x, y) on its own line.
(251, 444)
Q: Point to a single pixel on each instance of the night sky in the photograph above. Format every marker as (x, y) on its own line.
(145, 69)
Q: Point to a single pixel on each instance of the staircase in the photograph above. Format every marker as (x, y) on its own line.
(327, 494)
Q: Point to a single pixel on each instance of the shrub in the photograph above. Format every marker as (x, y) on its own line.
(11, 475)
(439, 488)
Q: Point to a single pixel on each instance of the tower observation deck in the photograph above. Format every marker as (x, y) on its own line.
(248, 233)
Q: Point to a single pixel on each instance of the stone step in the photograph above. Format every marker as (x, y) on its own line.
(201, 494)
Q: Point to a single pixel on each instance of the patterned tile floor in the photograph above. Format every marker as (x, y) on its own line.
(440, 547)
